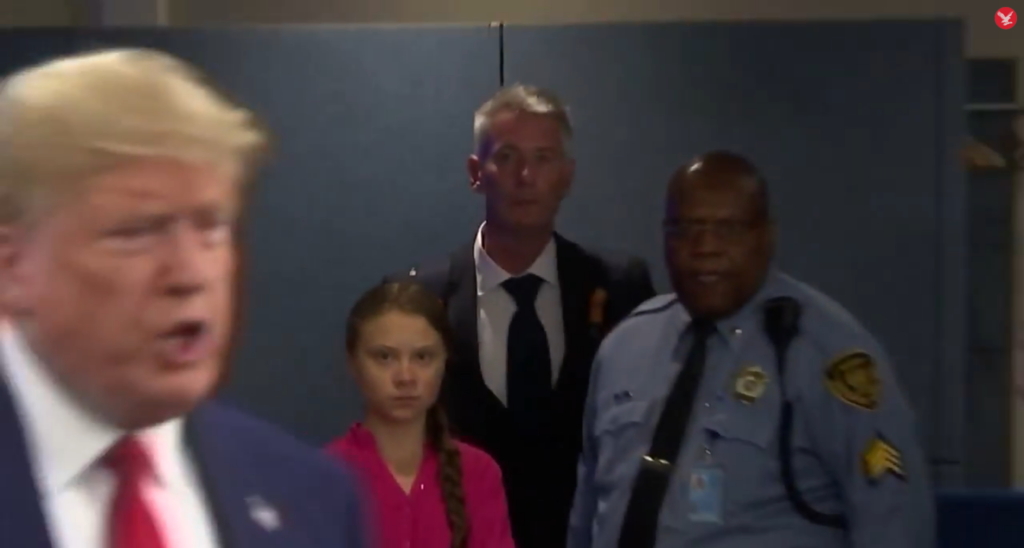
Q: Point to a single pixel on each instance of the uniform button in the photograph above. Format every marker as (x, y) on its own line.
(736, 332)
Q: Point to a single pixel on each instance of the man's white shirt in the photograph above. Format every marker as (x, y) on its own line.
(495, 308)
(65, 445)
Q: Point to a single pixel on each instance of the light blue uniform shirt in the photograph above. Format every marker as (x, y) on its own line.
(839, 460)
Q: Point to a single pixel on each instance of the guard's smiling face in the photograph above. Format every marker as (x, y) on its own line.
(718, 245)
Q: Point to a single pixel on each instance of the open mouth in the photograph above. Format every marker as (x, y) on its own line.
(708, 277)
(189, 329)
(188, 341)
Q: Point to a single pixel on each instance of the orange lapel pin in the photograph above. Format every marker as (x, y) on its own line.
(597, 302)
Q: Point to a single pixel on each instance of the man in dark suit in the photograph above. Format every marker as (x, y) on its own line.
(121, 175)
(529, 308)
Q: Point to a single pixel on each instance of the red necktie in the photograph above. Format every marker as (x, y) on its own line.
(132, 524)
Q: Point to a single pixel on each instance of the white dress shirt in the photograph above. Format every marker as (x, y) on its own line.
(495, 308)
(65, 444)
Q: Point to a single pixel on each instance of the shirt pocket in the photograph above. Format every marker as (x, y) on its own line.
(755, 429)
(743, 445)
(619, 433)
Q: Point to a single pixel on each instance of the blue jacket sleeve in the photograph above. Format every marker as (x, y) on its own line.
(581, 518)
(865, 433)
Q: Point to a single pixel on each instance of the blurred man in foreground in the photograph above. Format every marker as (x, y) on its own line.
(120, 181)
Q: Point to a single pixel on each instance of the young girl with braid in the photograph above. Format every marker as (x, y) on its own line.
(428, 490)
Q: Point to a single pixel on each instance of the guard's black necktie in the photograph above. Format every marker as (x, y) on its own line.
(640, 525)
(528, 370)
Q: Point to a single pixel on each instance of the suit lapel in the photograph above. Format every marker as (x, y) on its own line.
(232, 488)
(576, 279)
(462, 311)
(21, 516)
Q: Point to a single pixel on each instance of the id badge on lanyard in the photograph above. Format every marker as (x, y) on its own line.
(706, 489)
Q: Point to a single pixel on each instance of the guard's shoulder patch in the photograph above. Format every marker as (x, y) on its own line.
(880, 458)
(853, 378)
(655, 304)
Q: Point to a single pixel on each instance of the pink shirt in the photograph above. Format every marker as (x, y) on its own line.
(418, 519)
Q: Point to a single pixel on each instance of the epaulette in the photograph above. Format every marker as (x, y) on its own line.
(658, 303)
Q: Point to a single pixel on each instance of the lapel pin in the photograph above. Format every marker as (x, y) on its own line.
(263, 513)
(750, 384)
(412, 271)
(596, 313)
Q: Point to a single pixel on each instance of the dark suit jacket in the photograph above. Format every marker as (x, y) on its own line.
(238, 458)
(540, 476)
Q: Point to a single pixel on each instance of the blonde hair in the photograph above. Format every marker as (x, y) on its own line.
(66, 120)
(521, 98)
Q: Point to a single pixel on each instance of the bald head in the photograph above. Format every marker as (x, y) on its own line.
(719, 241)
(723, 170)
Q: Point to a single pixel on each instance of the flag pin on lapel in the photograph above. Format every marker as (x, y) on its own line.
(263, 513)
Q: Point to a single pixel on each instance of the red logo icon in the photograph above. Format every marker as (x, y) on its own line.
(1006, 18)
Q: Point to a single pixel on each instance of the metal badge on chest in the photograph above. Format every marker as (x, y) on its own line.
(750, 383)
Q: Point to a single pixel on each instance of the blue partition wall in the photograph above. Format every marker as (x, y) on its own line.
(855, 124)
(857, 127)
(991, 113)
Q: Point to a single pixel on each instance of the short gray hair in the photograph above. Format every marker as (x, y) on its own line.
(521, 98)
(71, 118)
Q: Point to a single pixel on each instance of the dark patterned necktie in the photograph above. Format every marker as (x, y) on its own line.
(528, 370)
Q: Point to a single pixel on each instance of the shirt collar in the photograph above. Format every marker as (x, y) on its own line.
(749, 316)
(489, 275)
(362, 439)
(65, 439)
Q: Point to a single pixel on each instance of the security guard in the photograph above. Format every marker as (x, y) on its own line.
(747, 409)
